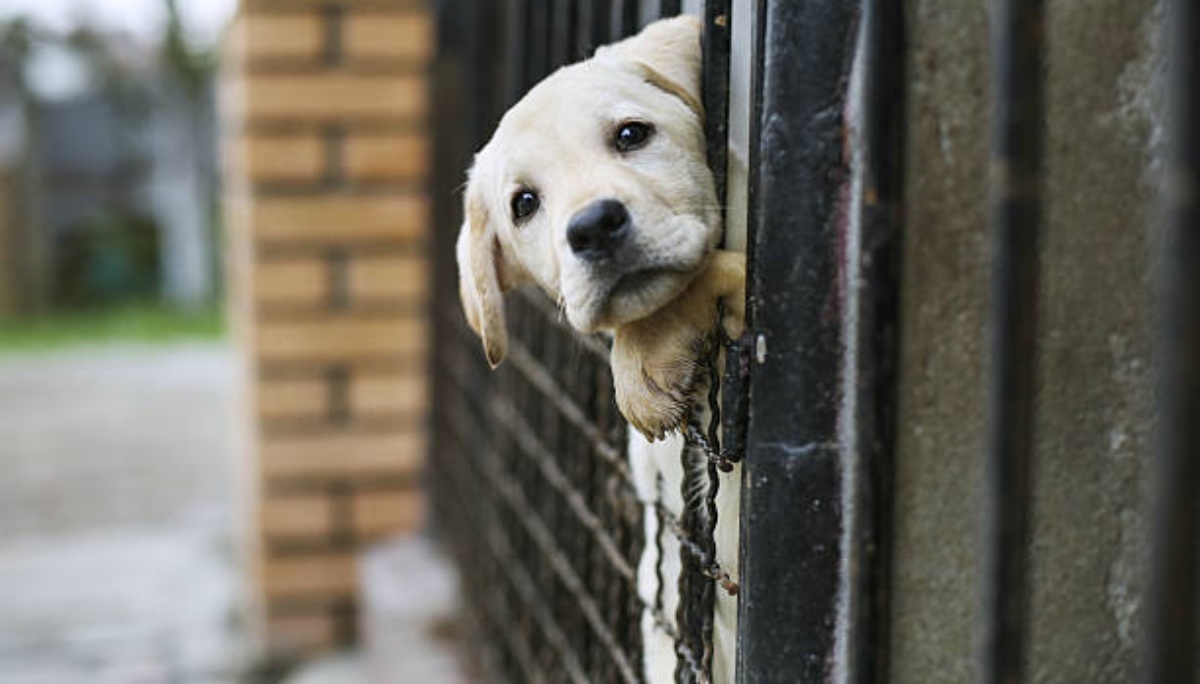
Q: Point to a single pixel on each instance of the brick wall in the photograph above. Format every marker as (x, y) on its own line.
(327, 149)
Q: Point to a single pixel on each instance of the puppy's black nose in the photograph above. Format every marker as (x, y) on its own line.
(596, 231)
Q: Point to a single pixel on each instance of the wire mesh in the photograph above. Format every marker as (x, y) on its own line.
(538, 505)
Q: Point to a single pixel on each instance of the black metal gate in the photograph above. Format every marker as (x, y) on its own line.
(530, 485)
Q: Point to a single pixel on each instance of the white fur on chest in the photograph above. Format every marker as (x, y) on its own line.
(657, 469)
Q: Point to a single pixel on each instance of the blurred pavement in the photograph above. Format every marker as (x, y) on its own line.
(92, 438)
(116, 525)
(117, 532)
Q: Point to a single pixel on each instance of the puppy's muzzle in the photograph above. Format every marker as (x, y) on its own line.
(597, 230)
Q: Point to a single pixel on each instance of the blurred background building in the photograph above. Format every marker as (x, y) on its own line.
(107, 138)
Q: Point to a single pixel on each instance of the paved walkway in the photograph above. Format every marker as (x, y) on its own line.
(117, 562)
(117, 532)
(92, 439)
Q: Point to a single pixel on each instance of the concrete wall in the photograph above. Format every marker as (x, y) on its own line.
(1094, 402)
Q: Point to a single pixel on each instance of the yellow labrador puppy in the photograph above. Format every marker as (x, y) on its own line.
(595, 187)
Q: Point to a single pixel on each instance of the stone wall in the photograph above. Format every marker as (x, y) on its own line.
(1094, 404)
(326, 148)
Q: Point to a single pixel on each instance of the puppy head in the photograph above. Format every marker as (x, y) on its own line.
(595, 187)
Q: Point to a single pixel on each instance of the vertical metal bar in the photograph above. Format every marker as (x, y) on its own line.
(623, 18)
(585, 30)
(1017, 30)
(489, 61)
(516, 50)
(792, 498)
(1172, 600)
(718, 19)
(563, 25)
(595, 22)
(716, 89)
(872, 387)
(536, 38)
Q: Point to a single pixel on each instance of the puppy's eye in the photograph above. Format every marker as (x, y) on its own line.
(632, 135)
(524, 204)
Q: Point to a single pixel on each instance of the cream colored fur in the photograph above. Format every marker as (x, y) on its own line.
(659, 303)
(658, 300)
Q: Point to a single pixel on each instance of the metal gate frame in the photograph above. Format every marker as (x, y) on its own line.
(825, 145)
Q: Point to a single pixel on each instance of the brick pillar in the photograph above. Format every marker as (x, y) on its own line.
(328, 168)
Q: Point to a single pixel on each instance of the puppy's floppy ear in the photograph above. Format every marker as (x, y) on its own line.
(669, 52)
(479, 279)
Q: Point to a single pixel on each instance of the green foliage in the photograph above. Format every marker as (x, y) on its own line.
(134, 323)
(194, 69)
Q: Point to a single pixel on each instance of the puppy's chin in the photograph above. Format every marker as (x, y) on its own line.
(627, 298)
